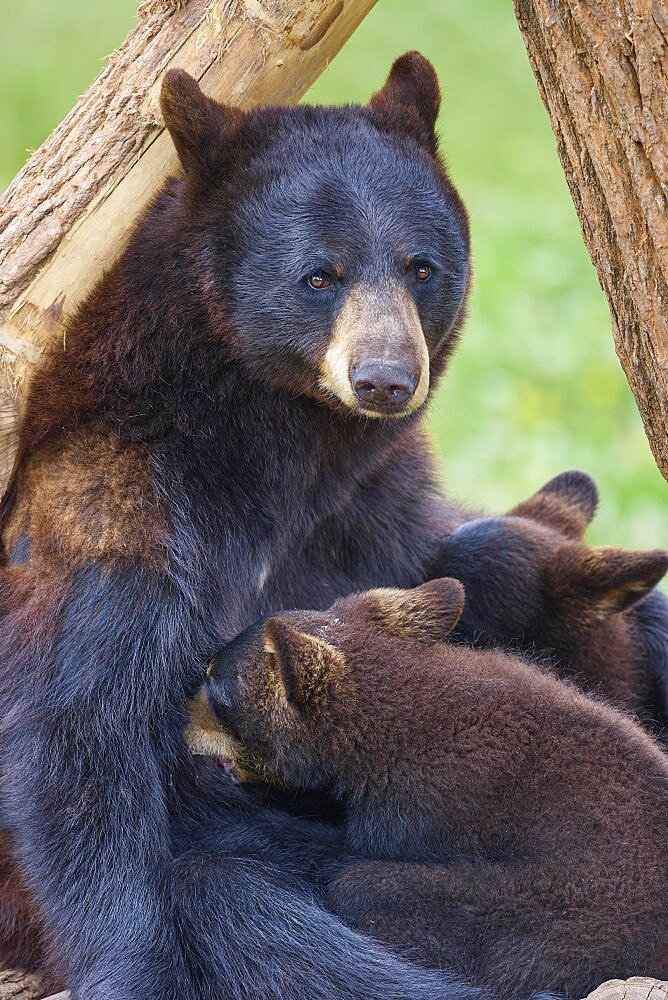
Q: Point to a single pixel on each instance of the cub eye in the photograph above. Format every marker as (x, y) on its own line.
(225, 716)
(422, 272)
(319, 280)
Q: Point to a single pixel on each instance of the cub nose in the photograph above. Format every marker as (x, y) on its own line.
(383, 386)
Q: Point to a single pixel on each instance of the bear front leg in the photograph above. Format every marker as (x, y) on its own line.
(94, 667)
(272, 940)
(517, 929)
(409, 908)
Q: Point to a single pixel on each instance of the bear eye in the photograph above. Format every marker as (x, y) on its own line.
(225, 716)
(422, 271)
(318, 280)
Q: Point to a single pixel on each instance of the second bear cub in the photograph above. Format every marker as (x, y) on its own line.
(534, 586)
(499, 822)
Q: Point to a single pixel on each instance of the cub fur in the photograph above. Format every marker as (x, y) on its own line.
(533, 585)
(499, 823)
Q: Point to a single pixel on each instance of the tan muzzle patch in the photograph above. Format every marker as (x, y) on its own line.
(205, 737)
(379, 323)
(203, 734)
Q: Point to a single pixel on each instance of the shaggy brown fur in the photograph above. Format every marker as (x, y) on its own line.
(533, 585)
(499, 822)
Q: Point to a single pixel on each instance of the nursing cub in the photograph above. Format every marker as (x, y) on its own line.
(499, 822)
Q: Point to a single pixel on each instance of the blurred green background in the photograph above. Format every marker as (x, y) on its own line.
(535, 386)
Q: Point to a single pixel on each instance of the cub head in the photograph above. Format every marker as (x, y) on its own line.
(531, 580)
(324, 699)
(330, 247)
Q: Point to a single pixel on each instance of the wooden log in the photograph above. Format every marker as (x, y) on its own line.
(17, 984)
(602, 70)
(637, 988)
(68, 213)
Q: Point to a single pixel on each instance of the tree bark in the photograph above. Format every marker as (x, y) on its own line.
(68, 213)
(602, 70)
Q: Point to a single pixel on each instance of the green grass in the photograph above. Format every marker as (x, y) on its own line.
(535, 386)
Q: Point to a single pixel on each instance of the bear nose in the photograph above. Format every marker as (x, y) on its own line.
(383, 386)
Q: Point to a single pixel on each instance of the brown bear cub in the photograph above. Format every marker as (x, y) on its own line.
(499, 823)
(533, 586)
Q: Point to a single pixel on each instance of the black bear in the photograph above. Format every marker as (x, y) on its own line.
(231, 425)
(533, 585)
(499, 822)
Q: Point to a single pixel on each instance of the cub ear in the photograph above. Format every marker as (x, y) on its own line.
(200, 128)
(410, 99)
(307, 667)
(566, 503)
(424, 614)
(587, 585)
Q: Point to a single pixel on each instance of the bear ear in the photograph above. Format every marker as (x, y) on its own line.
(410, 99)
(307, 666)
(201, 129)
(424, 614)
(588, 585)
(566, 503)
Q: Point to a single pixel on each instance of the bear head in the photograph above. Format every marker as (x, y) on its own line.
(532, 584)
(329, 246)
(324, 700)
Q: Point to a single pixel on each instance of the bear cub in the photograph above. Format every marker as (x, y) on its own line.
(535, 587)
(499, 822)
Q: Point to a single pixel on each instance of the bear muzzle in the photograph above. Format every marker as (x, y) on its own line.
(377, 362)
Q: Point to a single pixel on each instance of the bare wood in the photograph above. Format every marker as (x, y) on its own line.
(637, 988)
(602, 70)
(68, 213)
(16, 984)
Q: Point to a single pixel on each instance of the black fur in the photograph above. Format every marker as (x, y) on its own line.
(181, 471)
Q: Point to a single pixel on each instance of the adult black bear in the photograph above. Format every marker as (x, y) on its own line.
(499, 822)
(200, 451)
(534, 586)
